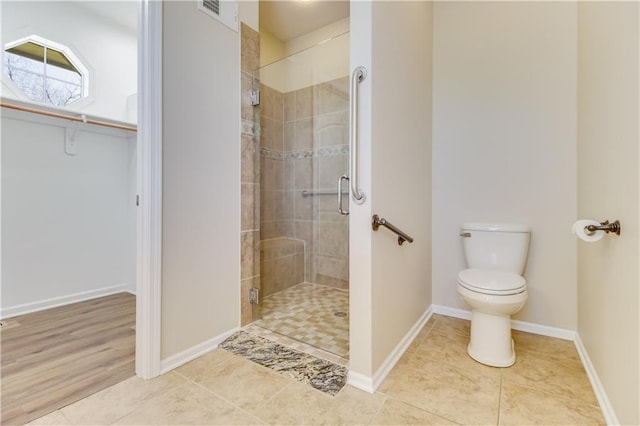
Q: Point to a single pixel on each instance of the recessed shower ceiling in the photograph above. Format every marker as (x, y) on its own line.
(291, 19)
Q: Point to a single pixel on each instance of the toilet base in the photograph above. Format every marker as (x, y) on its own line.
(491, 341)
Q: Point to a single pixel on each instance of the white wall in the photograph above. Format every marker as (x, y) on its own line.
(390, 286)
(504, 142)
(400, 168)
(608, 188)
(201, 178)
(360, 236)
(109, 50)
(68, 222)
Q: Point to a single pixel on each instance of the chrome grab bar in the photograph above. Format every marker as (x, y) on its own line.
(358, 76)
(340, 209)
(376, 221)
(314, 192)
(605, 226)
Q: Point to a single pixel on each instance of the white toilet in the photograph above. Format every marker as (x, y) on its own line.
(493, 287)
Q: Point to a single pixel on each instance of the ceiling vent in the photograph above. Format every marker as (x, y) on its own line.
(225, 11)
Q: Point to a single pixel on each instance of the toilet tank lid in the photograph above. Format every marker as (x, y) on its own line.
(496, 227)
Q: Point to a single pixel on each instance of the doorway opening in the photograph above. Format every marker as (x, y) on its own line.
(69, 185)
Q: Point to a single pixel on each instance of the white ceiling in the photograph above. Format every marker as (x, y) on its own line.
(124, 13)
(285, 19)
(293, 18)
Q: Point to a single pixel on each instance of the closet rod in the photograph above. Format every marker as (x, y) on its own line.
(68, 117)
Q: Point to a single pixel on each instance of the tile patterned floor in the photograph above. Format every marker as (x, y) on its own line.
(435, 382)
(306, 313)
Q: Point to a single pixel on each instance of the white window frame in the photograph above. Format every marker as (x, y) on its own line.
(49, 44)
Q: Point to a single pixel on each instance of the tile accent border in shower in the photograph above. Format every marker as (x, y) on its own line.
(319, 152)
(250, 128)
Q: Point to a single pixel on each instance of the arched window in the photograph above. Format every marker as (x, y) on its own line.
(45, 71)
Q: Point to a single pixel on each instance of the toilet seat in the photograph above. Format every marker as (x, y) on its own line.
(492, 281)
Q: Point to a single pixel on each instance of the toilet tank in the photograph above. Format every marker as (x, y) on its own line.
(496, 246)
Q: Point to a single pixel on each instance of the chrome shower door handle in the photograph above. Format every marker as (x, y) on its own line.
(340, 209)
(358, 76)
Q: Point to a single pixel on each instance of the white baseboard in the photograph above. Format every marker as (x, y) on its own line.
(181, 358)
(544, 330)
(605, 405)
(529, 327)
(370, 384)
(54, 302)
(360, 381)
(451, 312)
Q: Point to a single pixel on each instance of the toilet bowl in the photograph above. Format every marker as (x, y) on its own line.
(493, 297)
(493, 287)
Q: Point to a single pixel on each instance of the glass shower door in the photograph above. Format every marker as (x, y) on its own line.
(304, 250)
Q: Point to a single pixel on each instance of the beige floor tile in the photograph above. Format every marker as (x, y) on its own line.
(207, 365)
(451, 349)
(394, 412)
(242, 382)
(52, 419)
(452, 325)
(119, 400)
(297, 404)
(521, 405)
(430, 323)
(405, 367)
(353, 406)
(453, 393)
(420, 337)
(548, 345)
(559, 376)
(188, 404)
(435, 382)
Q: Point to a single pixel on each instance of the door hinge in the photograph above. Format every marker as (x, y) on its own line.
(137, 200)
(255, 97)
(254, 295)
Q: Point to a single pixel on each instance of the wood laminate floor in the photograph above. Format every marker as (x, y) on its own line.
(58, 356)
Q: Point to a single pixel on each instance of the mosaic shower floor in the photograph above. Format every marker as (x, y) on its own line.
(307, 313)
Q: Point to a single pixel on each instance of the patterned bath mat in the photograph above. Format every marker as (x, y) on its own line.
(321, 374)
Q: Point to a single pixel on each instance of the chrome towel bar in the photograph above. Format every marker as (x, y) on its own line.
(376, 221)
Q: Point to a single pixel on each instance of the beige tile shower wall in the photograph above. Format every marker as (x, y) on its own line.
(316, 145)
(304, 146)
(250, 174)
(274, 220)
(282, 263)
